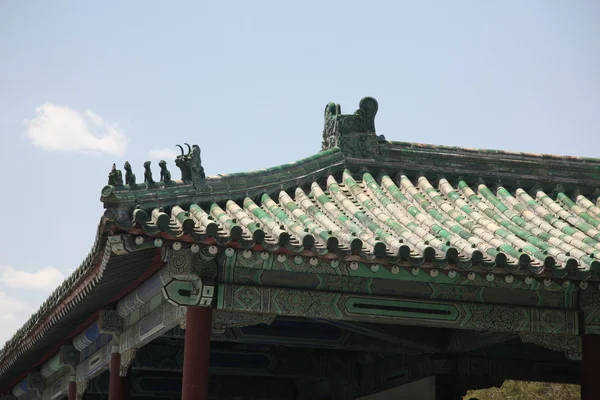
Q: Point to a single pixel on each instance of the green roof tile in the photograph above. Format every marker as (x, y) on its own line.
(397, 219)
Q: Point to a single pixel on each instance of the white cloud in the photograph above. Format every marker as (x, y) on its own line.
(163, 154)
(22, 290)
(13, 314)
(60, 128)
(46, 279)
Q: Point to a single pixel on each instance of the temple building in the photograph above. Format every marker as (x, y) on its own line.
(367, 270)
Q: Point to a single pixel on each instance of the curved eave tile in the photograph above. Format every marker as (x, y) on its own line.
(400, 219)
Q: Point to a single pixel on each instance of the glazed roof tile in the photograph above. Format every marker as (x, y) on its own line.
(400, 219)
(365, 196)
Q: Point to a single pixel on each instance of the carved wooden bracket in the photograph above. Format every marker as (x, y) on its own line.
(81, 388)
(569, 344)
(127, 358)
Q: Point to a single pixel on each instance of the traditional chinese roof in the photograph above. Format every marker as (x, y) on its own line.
(100, 279)
(361, 197)
(376, 199)
(399, 219)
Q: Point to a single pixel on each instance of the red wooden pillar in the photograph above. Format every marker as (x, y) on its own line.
(117, 387)
(590, 384)
(72, 388)
(198, 330)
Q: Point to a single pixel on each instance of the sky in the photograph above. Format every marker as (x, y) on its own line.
(86, 84)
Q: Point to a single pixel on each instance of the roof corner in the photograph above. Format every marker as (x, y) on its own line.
(127, 191)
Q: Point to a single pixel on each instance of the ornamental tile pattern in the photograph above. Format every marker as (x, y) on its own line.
(404, 219)
(249, 298)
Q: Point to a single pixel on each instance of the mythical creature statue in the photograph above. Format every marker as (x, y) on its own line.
(354, 133)
(115, 178)
(190, 164)
(129, 175)
(165, 175)
(330, 133)
(148, 173)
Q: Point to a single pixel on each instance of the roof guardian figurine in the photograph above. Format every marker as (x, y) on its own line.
(190, 164)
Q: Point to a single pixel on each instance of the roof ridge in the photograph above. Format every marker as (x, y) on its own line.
(429, 146)
(222, 186)
(350, 141)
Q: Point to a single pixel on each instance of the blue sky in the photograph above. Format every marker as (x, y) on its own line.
(86, 84)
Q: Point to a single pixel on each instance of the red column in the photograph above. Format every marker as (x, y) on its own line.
(117, 387)
(72, 388)
(590, 384)
(198, 330)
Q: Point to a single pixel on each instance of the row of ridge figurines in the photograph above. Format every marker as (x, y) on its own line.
(190, 165)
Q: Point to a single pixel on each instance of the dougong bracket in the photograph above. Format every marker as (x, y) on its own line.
(352, 133)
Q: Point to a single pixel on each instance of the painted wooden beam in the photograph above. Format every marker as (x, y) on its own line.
(33, 382)
(87, 336)
(59, 388)
(67, 356)
(396, 310)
